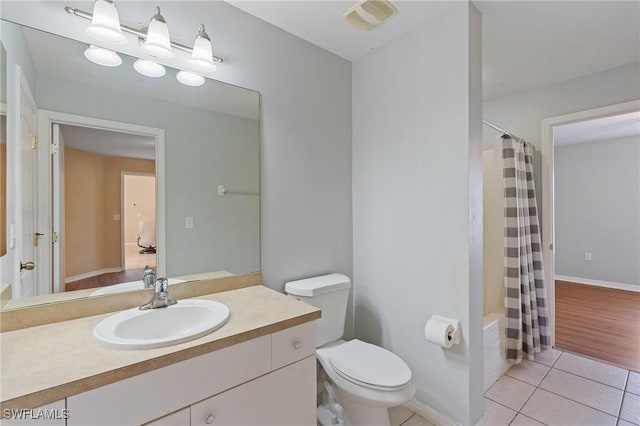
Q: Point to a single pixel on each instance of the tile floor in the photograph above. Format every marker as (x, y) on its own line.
(558, 389)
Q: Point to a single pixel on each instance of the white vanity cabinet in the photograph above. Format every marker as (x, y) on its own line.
(269, 380)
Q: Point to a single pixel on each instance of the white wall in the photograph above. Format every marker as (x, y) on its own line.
(522, 114)
(417, 203)
(597, 210)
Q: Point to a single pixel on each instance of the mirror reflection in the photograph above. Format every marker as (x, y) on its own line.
(144, 172)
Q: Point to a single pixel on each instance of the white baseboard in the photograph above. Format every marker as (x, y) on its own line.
(598, 283)
(428, 413)
(91, 274)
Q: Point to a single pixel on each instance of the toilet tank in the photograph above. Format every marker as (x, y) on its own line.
(329, 293)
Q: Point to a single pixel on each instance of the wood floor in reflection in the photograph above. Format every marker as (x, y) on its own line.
(599, 322)
(103, 280)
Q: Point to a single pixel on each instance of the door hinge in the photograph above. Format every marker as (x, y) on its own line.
(34, 142)
(54, 237)
(54, 149)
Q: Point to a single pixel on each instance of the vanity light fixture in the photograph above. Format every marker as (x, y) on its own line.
(157, 42)
(104, 57)
(202, 56)
(190, 79)
(105, 23)
(149, 68)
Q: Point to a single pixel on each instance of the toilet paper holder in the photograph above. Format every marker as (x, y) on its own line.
(453, 336)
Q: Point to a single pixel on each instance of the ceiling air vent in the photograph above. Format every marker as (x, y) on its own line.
(368, 14)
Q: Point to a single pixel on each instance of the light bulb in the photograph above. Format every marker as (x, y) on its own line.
(190, 79)
(105, 23)
(202, 56)
(149, 68)
(104, 57)
(158, 43)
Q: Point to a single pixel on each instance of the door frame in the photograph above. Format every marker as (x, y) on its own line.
(45, 122)
(547, 208)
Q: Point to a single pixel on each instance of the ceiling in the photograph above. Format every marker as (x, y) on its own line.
(526, 44)
(108, 142)
(606, 128)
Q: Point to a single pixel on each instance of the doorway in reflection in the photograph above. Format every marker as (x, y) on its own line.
(104, 206)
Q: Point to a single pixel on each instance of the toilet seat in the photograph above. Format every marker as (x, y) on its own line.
(369, 366)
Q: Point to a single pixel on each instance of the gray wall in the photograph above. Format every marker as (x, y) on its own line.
(597, 210)
(416, 181)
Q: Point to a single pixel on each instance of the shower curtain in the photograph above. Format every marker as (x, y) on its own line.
(527, 318)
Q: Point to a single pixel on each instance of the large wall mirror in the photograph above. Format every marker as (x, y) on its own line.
(143, 172)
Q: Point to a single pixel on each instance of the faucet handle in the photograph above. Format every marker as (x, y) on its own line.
(162, 285)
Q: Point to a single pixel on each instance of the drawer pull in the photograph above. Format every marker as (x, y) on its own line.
(210, 419)
(297, 345)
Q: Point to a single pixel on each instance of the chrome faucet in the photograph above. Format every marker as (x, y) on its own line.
(160, 298)
(149, 277)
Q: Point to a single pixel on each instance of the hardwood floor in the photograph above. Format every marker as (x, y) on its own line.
(105, 280)
(599, 322)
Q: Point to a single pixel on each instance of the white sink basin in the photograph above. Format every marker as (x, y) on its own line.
(132, 285)
(154, 328)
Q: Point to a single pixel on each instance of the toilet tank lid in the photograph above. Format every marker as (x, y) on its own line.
(314, 286)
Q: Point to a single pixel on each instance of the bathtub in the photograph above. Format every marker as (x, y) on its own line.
(495, 364)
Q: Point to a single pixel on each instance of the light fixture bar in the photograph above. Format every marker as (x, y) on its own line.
(140, 34)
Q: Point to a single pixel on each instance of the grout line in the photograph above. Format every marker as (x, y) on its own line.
(410, 417)
(624, 391)
(593, 380)
(578, 402)
(500, 403)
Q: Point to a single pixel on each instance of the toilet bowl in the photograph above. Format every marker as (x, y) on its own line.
(366, 379)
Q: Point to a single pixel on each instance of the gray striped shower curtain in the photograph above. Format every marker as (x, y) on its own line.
(527, 317)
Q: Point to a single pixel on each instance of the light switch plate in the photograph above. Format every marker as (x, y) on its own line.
(188, 222)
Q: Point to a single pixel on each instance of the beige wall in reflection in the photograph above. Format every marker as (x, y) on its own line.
(92, 197)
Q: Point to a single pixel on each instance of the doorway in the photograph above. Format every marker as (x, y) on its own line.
(86, 200)
(591, 217)
(138, 220)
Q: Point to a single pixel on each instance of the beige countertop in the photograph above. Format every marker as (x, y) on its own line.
(43, 364)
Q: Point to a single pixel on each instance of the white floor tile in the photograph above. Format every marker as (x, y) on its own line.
(528, 371)
(399, 415)
(548, 357)
(495, 414)
(555, 410)
(631, 408)
(522, 420)
(624, 423)
(595, 395)
(633, 383)
(594, 370)
(416, 420)
(510, 392)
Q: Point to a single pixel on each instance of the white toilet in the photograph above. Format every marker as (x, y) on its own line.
(367, 379)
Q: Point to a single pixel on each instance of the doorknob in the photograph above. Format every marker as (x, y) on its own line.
(29, 266)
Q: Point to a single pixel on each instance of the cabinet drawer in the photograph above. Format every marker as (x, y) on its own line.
(179, 418)
(151, 395)
(293, 344)
(286, 397)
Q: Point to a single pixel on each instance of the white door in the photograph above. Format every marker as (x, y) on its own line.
(26, 173)
(57, 212)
